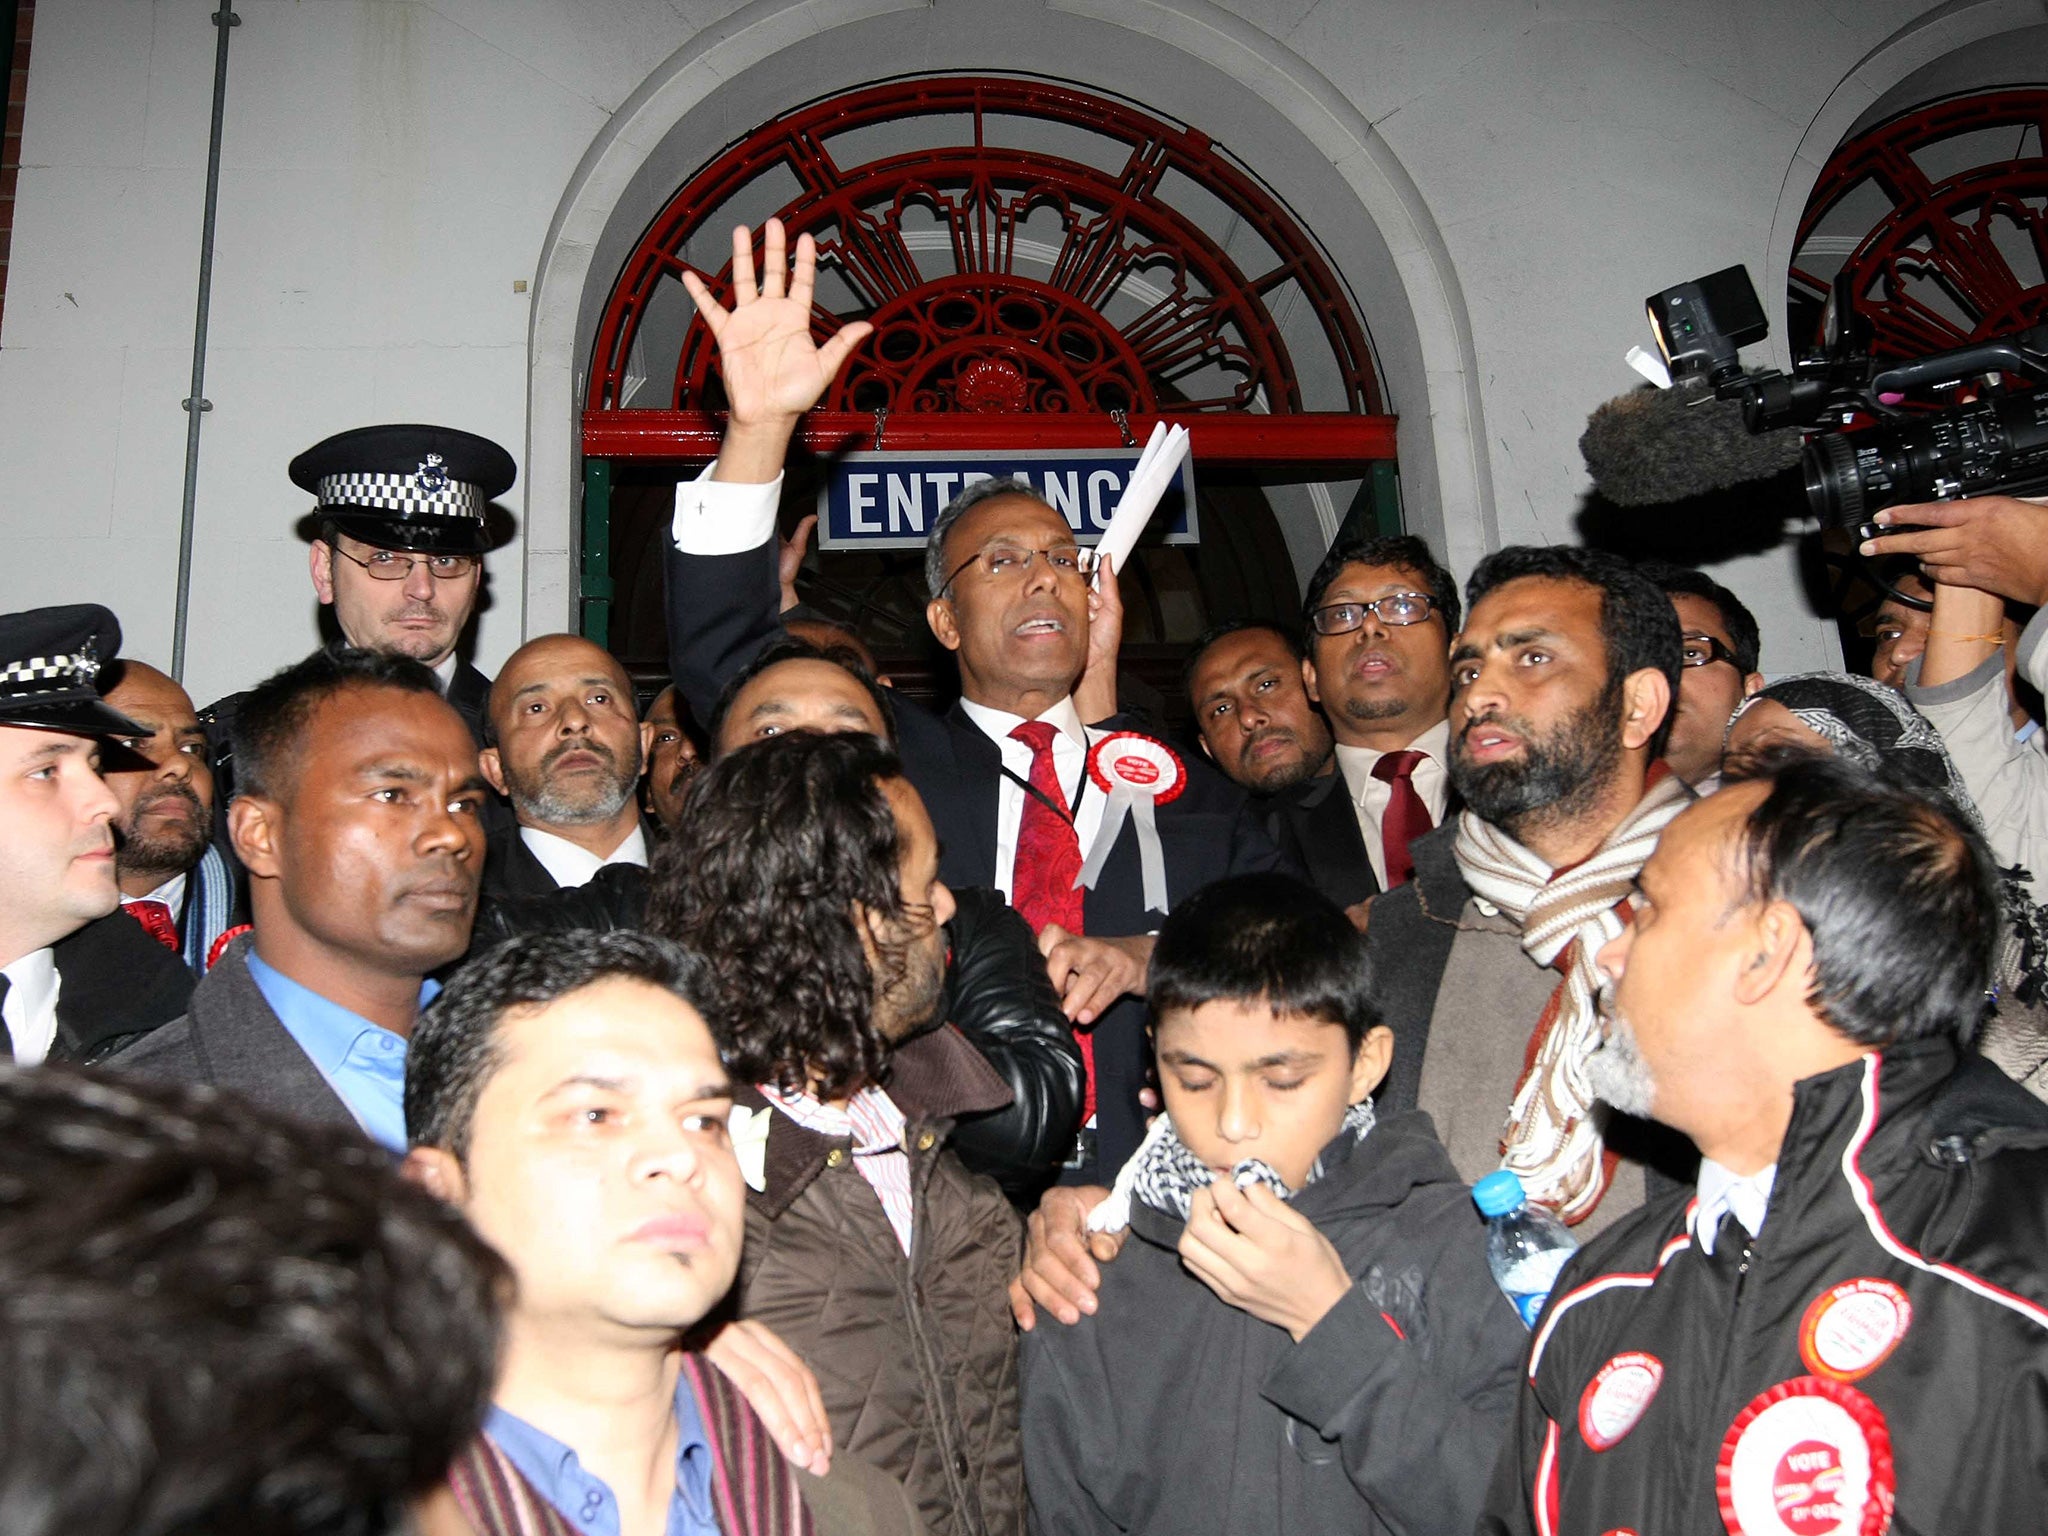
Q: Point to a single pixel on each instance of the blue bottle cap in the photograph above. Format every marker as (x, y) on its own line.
(1498, 1193)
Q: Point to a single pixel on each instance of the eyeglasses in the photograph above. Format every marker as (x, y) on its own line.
(1397, 609)
(998, 561)
(390, 565)
(1703, 651)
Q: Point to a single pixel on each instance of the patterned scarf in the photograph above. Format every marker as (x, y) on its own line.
(1164, 1174)
(1552, 1141)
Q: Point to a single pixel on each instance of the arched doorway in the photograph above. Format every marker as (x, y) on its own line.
(1046, 267)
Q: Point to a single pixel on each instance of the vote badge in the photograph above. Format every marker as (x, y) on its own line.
(1616, 1399)
(1809, 1457)
(1137, 773)
(1852, 1328)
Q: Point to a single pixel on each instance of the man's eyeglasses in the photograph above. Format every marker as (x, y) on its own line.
(1397, 609)
(1704, 650)
(998, 561)
(391, 565)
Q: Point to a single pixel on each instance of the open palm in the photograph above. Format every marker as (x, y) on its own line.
(772, 367)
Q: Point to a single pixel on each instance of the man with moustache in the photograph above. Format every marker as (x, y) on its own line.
(566, 749)
(174, 881)
(357, 819)
(77, 979)
(674, 756)
(1563, 680)
(1005, 773)
(1844, 1325)
(1379, 613)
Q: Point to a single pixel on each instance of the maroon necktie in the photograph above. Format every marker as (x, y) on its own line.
(1405, 818)
(156, 917)
(1042, 885)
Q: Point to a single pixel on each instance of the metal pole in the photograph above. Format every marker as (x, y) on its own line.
(196, 404)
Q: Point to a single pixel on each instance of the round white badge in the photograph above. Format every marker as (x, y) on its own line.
(1617, 1397)
(1809, 1457)
(1850, 1329)
(1137, 765)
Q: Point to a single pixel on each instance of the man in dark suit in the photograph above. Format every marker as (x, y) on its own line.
(77, 977)
(357, 818)
(1010, 774)
(566, 748)
(400, 533)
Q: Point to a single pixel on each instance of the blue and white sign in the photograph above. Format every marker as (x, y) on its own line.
(890, 500)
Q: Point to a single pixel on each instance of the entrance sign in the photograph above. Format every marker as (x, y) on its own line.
(890, 500)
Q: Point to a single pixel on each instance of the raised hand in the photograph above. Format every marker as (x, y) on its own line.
(773, 370)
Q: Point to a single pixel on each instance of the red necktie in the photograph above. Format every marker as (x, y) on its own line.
(1405, 818)
(1048, 858)
(156, 917)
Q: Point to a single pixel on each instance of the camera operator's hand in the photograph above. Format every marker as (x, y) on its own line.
(1997, 544)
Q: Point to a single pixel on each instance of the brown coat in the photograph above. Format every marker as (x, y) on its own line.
(916, 1357)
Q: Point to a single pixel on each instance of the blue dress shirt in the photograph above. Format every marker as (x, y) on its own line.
(364, 1063)
(557, 1474)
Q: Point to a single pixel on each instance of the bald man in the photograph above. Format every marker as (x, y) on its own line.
(174, 879)
(566, 747)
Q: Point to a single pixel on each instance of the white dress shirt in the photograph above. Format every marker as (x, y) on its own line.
(572, 864)
(1069, 761)
(1370, 796)
(1722, 1190)
(713, 518)
(171, 893)
(30, 1011)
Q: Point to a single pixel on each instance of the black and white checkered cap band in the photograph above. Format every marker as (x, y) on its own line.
(49, 674)
(435, 496)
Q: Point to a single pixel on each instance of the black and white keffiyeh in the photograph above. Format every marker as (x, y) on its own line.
(1164, 1174)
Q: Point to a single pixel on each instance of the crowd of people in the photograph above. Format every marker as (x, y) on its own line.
(452, 1105)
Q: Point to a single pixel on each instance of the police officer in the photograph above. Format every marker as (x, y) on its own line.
(401, 532)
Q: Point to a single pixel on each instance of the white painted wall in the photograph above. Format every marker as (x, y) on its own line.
(392, 168)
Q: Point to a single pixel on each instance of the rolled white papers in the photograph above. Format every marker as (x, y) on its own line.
(1157, 467)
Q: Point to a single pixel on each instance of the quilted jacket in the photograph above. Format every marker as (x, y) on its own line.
(916, 1356)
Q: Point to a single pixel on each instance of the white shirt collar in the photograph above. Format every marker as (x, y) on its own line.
(444, 673)
(1722, 1190)
(997, 724)
(1356, 763)
(30, 1011)
(572, 864)
(171, 893)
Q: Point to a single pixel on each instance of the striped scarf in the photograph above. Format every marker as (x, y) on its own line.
(1551, 1139)
(754, 1490)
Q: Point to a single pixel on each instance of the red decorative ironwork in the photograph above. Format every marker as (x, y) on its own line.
(991, 274)
(1960, 256)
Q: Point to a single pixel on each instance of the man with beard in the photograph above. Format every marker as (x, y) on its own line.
(566, 749)
(173, 880)
(1563, 681)
(1380, 614)
(357, 818)
(675, 753)
(813, 894)
(1844, 1326)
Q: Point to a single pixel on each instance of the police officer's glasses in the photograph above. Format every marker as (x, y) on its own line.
(1397, 609)
(391, 565)
(1001, 561)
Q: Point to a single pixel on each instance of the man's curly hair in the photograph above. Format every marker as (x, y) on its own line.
(778, 840)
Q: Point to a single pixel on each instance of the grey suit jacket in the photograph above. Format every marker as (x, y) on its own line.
(230, 1038)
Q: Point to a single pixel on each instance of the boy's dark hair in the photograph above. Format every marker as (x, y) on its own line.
(1638, 625)
(778, 841)
(790, 648)
(215, 1318)
(1683, 580)
(1216, 632)
(455, 1046)
(270, 724)
(1263, 938)
(1898, 891)
(1403, 550)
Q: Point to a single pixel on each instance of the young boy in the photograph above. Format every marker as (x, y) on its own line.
(1301, 1334)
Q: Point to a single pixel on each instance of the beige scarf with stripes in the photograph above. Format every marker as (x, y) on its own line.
(1552, 1140)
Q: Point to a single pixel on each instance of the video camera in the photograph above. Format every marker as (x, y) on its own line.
(1989, 436)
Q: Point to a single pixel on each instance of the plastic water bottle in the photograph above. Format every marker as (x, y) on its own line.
(1526, 1246)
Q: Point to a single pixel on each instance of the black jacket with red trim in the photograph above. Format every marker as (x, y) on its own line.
(1884, 1338)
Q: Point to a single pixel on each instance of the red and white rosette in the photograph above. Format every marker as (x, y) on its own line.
(1137, 773)
(1852, 1328)
(1809, 1457)
(1617, 1397)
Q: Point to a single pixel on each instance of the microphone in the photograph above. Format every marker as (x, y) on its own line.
(1652, 446)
